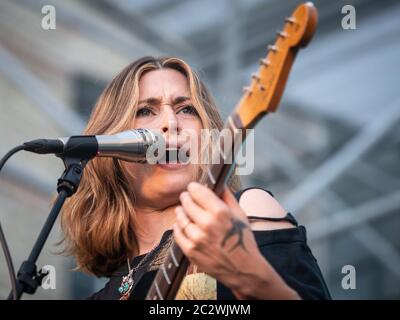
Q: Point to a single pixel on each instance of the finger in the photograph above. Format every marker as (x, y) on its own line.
(181, 218)
(205, 197)
(189, 229)
(194, 212)
(183, 242)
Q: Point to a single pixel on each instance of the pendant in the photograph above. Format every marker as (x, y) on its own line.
(126, 286)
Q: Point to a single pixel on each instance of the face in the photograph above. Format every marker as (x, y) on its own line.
(164, 106)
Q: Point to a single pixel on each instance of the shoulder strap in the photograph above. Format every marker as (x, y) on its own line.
(289, 217)
(239, 193)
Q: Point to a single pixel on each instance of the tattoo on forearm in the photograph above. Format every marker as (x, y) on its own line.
(238, 228)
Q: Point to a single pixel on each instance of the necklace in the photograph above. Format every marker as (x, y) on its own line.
(127, 282)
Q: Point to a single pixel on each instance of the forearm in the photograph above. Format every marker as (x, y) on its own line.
(261, 281)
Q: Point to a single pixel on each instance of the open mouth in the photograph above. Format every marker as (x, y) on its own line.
(173, 155)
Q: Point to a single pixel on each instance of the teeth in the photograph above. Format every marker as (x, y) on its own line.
(171, 156)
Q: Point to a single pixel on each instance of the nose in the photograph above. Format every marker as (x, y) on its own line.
(169, 120)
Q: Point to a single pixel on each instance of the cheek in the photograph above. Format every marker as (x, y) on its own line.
(193, 126)
(191, 134)
(145, 122)
(133, 171)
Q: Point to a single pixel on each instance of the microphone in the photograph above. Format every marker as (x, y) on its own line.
(130, 145)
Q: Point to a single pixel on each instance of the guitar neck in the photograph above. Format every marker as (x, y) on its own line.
(171, 273)
(261, 97)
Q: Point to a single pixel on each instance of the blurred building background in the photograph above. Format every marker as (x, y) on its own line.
(330, 154)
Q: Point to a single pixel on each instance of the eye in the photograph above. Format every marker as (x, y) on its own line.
(144, 112)
(189, 109)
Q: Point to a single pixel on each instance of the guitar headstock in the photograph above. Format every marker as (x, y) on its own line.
(267, 85)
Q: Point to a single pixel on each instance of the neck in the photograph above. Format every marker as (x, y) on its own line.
(152, 223)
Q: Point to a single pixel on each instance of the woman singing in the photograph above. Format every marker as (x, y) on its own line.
(124, 216)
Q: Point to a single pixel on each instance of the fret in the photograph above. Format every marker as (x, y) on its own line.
(158, 291)
(222, 154)
(232, 124)
(223, 157)
(210, 175)
(239, 135)
(173, 256)
(165, 273)
(226, 152)
(151, 295)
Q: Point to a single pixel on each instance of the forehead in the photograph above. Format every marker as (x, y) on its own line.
(164, 83)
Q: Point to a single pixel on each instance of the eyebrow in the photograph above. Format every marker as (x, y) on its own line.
(155, 101)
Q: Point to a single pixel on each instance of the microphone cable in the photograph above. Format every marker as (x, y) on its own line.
(6, 251)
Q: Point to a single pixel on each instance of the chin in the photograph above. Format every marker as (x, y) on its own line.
(174, 179)
(164, 181)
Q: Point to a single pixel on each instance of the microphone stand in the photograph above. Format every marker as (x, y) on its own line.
(28, 278)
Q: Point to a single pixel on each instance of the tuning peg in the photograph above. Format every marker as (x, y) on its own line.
(290, 20)
(272, 48)
(247, 90)
(262, 88)
(281, 34)
(264, 62)
(255, 77)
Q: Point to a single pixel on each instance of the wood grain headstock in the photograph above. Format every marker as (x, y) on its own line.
(267, 85)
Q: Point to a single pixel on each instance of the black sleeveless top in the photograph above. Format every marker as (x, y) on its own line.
(285, 249)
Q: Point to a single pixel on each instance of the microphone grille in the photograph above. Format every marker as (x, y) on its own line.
(149, 136)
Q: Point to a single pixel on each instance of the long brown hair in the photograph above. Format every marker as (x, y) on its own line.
(99, 222)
